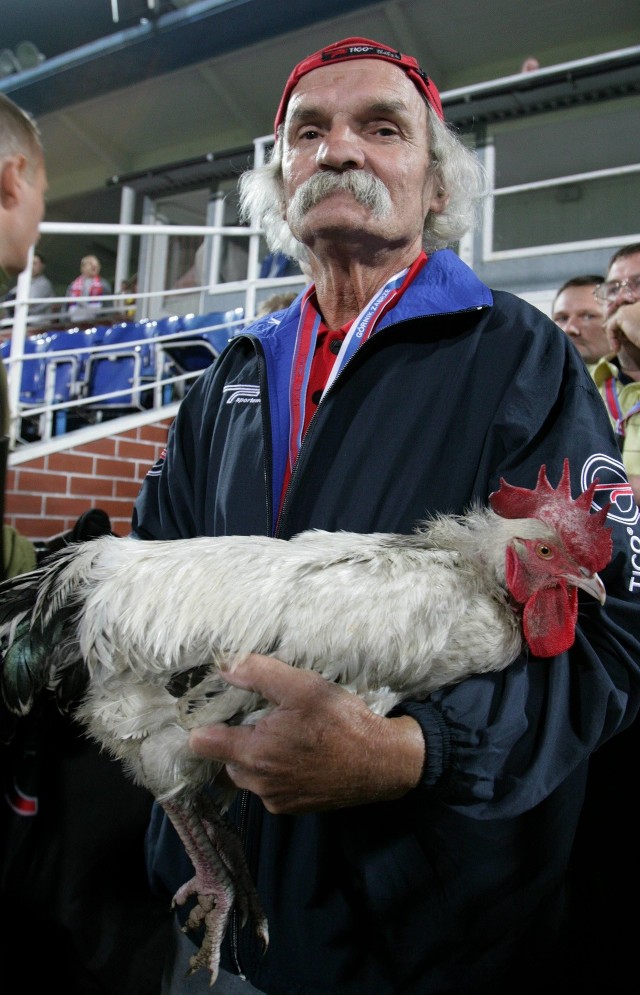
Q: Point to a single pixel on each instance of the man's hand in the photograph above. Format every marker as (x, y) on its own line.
(319, 748)
(624, 324)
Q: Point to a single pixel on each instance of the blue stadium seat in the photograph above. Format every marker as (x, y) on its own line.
(209, 334)
(144, 334)
(65, 372)
(87, 339)
(34, 367)
(170, 325)
(124, 368)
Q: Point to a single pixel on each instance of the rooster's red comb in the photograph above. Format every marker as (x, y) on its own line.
(584, 534)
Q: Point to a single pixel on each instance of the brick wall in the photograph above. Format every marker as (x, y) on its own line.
(46, 496)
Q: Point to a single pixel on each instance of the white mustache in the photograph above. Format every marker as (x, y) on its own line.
(368, 190)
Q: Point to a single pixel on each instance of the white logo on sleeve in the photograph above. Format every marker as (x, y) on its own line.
(612, 485)
(242, 393)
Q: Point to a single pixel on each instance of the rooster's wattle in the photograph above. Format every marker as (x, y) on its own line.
(131, 635)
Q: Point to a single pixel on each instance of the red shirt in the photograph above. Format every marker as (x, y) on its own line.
(328, 346)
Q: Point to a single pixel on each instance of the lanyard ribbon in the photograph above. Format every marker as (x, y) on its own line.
(360, 330)
(615, 410)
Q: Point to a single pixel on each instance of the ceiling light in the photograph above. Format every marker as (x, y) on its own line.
(8, 63)
(28, 55)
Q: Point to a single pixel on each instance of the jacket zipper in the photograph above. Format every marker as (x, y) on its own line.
(243, 818)
(235, 925)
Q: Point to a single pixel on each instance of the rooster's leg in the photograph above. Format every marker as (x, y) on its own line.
(227, 843)
(211, 885)
(221, 877)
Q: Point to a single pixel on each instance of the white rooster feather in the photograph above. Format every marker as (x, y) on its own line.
(130, 636)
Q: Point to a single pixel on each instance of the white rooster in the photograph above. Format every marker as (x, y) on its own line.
(131, 636)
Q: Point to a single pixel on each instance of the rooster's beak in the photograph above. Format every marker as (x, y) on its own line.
(592, 584)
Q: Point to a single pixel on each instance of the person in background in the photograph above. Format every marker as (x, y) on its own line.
(618, 374)
(88, 284)
(424, 852)
(129, 289)
(282, 299)
(530, 64)
(276, 302)
(580, 315)
(41, 286)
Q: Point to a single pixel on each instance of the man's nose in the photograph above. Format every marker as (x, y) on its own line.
(625, 295)
(340, 149)
(568, 326)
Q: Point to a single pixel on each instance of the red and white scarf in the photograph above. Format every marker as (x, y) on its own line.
(81, 287)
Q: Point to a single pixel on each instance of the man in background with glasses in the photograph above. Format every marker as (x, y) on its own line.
(580, 315)
(618, 376)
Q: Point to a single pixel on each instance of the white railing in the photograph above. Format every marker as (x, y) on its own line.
(164, 382)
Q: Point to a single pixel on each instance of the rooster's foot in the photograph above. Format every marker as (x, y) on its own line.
(221, 880)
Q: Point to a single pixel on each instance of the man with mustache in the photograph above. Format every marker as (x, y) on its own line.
(423, 852)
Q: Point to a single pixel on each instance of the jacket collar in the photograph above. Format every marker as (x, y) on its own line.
(606, 367)
(444, 285)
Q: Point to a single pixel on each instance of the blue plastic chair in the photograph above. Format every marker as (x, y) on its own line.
(210, 333)
(34, 367)
(65, 372)
(123, 369)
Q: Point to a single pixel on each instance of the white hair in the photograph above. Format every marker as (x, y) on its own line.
(458, 171)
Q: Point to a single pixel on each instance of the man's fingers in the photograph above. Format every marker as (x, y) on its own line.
(226, 744)
(267, 676)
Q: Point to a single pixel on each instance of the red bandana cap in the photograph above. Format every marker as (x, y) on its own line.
(360, 48)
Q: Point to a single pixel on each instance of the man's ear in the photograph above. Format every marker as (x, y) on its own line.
(439, 200)
(12, 172)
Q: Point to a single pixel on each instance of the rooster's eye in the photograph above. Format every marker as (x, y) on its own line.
(544, 551)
